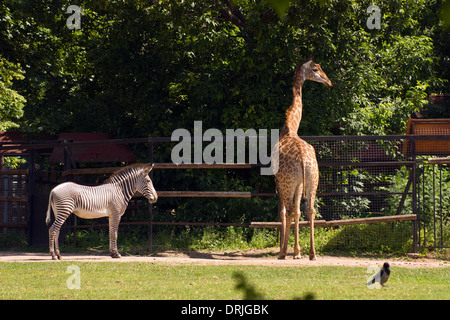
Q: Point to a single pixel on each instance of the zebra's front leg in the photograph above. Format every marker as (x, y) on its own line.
(113, 231)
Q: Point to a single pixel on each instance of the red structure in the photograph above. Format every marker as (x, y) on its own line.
(92, 152)
(429, 127)
(12, 138)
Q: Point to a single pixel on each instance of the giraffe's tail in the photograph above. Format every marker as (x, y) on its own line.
(304, 203)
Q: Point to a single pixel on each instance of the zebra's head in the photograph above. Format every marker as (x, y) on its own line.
(134, 179)
(145, 186)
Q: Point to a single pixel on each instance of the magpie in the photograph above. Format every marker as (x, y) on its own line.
(382, 276)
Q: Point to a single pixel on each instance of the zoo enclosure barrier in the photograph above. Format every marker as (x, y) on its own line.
(363, 179)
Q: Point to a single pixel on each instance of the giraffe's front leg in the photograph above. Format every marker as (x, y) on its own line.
(312, 250)
(297, 254)
(283, 242)
(113, 231)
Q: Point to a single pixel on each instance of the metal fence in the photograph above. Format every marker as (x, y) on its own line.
(361, 177)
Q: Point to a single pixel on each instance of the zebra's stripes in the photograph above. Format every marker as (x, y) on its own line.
(107, 200)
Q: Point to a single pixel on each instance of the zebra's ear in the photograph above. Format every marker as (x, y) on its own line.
(148, 168)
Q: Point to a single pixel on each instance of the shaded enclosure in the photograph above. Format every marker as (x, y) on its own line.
(361, 177)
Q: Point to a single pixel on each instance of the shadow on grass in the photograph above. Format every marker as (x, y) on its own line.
(251, 293)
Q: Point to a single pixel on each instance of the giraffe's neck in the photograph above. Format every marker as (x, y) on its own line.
(294, 113)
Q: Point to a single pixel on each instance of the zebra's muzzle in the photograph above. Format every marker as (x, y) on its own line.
(152, 198)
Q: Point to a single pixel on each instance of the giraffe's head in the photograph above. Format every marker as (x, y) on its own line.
(312, 71)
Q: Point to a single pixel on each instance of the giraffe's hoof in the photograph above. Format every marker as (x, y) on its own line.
(297, 256)
(312, 258)
(282, 257)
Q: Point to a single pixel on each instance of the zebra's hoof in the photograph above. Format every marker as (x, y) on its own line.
(115, 255)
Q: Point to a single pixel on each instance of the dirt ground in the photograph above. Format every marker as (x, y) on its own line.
(263, 257)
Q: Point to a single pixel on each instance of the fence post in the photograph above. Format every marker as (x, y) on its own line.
(150, 206)
(69, 164)
(31, 192)
(414, 195)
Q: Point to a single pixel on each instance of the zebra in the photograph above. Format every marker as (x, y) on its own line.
(109, 199)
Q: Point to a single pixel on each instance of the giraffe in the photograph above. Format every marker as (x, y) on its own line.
(297, 171)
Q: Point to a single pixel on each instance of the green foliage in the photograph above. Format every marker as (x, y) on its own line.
(12, 239)
(140, 68)
(11, 102)
(14, 162)
(430, 197)
(215, 238)
(380, 238)
(433, 201)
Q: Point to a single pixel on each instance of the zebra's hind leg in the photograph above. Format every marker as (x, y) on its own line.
(113, 231)
(54, 235)
(57, 252)
(53, 242)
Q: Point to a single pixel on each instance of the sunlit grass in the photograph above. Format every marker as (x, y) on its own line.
(133, 280)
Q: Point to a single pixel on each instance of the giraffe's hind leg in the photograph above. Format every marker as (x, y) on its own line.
(297, 200)
(286, 211)
(283, 240)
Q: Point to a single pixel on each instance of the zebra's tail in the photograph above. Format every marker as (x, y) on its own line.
(48, 220)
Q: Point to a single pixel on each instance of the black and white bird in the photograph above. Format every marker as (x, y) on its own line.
(381, 276)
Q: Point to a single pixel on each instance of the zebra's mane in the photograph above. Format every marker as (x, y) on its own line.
(125, 173)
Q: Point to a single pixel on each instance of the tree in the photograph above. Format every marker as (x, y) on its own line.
(145, 68)
(11, 102)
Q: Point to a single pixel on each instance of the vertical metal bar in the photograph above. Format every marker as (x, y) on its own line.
(150, 206)
(414, 192)
(75, 223)
(419, 211)
(434, 208)
(415, 247)
(440, 204)
(31, 197)
(69, 163)
(423, 207)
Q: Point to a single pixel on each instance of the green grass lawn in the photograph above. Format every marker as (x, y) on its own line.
(103, 280)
